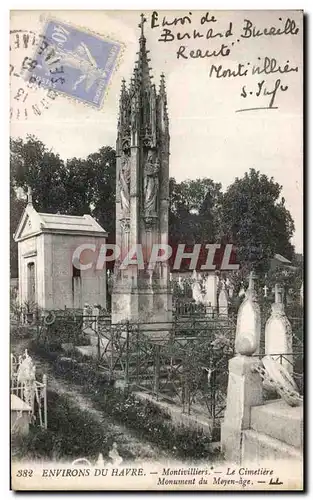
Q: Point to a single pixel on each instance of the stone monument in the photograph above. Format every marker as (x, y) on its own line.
(253, 430)
(278, 333)
(249, 316)
(141, 293)
(223, 301)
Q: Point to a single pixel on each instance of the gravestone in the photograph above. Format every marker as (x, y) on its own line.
(230, 288)
(197, 292)
(223, 301)
(210, 295)
(249, 315)
(278, 333)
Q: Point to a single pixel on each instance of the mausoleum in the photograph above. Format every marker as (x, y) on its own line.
(46, 245)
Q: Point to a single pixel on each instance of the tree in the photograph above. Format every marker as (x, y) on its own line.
(102, 164)
(255, 219)
(194, 211)
(90, 187)
(33, 164)
(16, 209)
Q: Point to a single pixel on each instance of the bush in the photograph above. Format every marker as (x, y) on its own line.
(20, 332)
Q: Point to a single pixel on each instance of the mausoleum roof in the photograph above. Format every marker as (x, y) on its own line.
(33, 223)
(70, 222)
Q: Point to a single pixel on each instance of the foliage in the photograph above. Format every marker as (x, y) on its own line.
(34, 165)
(15, 307)
(256, 221)
(251, 214)
(74, 187)
(194, 210)
(289, 278)
(16, 209)
(72, 433)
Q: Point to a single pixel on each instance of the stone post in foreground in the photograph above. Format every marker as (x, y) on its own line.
(244, 384)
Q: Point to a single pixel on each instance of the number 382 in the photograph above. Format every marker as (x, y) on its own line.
(24, 473)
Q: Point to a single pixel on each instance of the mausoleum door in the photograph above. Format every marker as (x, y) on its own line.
(31, 282)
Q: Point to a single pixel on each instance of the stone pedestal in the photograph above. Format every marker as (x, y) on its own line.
(244, 391)
(141, 305)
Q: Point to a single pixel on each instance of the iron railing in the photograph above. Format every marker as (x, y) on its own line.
(184, 363)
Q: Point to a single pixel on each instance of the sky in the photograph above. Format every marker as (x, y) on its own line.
(210, 137)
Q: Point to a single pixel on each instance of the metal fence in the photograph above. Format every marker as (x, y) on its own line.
(183, 363)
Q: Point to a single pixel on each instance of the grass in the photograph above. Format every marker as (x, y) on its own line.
(72, 433)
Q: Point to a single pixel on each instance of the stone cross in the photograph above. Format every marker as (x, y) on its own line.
(278, 294)
(29, 196)
(265, 289)
(141, 24)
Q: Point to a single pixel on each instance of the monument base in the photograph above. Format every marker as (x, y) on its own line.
(147, 305)
(244, 390)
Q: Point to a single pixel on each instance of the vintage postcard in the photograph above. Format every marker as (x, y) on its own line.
(156, 256)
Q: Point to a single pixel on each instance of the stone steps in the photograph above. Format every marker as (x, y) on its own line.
(258, 447)
(278, 420)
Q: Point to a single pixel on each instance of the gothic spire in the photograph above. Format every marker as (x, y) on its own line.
(143, 112)
(143, 60)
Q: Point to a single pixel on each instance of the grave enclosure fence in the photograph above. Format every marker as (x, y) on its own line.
(183, 363)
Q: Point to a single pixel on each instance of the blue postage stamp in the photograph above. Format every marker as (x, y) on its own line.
(75, 62)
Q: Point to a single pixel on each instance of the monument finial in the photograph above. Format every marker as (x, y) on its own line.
(278, 294)
(29, 196)
(141, 25)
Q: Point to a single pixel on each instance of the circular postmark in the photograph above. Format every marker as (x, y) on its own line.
(29, 98)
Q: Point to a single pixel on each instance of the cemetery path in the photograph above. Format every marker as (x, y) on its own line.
(124, 437)
(140, 448)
